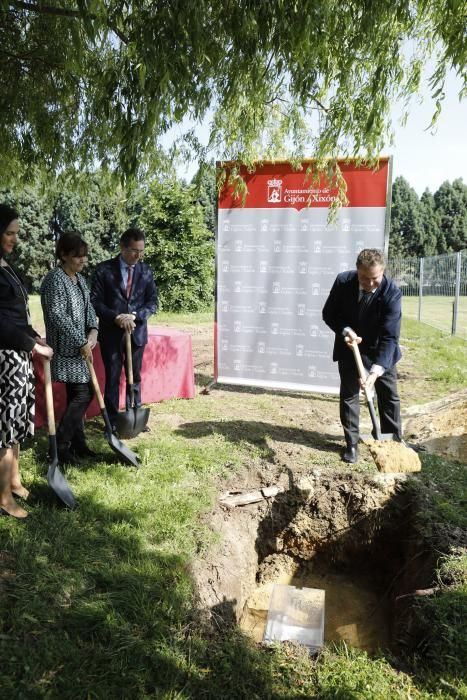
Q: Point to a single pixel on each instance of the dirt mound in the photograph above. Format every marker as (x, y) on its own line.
(440, 426)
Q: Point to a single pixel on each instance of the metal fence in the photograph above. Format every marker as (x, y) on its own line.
(434, 290)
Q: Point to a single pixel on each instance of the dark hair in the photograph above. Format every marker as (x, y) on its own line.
(131, 234)
(369, 257)
(71, 243)
(7, 215)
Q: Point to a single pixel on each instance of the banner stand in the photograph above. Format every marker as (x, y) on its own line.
(277, 256)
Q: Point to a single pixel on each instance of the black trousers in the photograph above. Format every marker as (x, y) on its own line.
(114, 358)
(349, 404)
(71, 427)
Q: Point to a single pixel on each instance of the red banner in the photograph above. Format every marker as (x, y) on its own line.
(277, 185)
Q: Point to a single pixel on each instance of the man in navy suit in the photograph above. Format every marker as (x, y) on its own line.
(365, 305)
(124, 296)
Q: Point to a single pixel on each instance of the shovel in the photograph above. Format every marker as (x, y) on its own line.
(377, 434)
(394, 456)
(55, 478)
(132, 421)
(122, 450)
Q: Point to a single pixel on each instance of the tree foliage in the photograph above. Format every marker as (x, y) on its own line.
(96, 215)
(179, 246)
(101, 82)
(431, 225)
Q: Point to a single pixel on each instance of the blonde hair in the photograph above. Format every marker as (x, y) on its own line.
(369, 257)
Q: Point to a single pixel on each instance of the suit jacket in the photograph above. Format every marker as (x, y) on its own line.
(379, 326)
(15, 331)
(108, 296)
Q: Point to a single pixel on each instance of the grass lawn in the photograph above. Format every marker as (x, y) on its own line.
(98, 602)
(437, 311)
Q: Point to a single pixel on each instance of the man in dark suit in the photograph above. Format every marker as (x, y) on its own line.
(124, 296)
(365, 305)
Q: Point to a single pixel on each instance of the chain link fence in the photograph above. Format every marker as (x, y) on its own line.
(434, 290)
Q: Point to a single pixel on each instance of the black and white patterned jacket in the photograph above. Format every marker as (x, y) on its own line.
(68, 316)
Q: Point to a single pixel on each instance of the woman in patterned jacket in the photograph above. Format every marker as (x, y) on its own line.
(71, 328)
(17, 341)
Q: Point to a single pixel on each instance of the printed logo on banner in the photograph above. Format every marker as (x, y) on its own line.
(274, 191)
(264, 224)
(299, 350)
(273, 367)
(237, 365)
(314, 331)
(237, 326)
(262, 307)
(304, 226)
(225, 266)
(277, 246)
(238, 245)
(225, 344)
(237, 286)
(226, 225)
(276, 287)
(346, 225)
(315, 288)
(359, 246)
(312, 370)
(303, 267)
(300, 309)
(274, 328)
(261, 348)
(317, 246)
(225, 306)
(263, 265)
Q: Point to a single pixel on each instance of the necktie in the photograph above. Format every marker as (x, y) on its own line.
(129, 282)
(364, 303)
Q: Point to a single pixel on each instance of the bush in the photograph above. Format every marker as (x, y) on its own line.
(179, 247)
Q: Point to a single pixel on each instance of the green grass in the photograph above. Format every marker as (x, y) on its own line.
(99, 602)
(163, 318)
(437, 311)
(435, 363)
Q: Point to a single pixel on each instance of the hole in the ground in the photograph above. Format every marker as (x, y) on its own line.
(350, 535)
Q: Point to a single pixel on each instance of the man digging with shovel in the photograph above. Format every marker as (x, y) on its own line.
(364, 311)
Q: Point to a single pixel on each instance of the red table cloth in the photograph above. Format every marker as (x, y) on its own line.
(167, 373)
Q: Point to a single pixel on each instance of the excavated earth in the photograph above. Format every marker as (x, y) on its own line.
(352, 534)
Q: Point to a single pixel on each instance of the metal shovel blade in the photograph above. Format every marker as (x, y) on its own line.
(132, 422)
(121, 450)
(55, 478)
(127, 456)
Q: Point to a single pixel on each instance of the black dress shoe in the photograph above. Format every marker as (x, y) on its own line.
(147, 429)
(83, 451)
(65, 456)
(350, 455)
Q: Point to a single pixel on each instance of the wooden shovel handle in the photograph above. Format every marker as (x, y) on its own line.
(49, 398)
(129, 357)
(369, 398)
(95, 384)
(362, 373)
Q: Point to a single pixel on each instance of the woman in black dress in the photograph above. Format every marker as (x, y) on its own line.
(17, 342)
